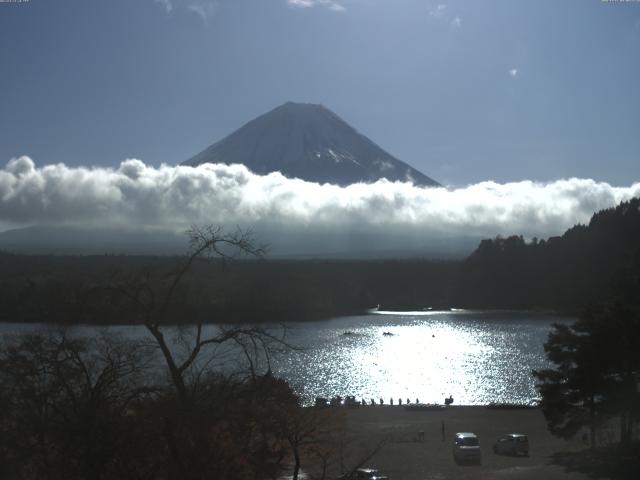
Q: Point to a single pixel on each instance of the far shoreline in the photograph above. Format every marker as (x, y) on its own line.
(317, 318)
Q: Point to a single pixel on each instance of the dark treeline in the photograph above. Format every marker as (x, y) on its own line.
(560, 273)
(67, 289)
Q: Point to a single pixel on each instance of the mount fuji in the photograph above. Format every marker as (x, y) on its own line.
(310, 142)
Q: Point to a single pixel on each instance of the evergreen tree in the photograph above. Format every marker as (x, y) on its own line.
(572, 391)
(597, 367)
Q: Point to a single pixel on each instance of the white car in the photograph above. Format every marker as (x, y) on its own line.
(466, 448)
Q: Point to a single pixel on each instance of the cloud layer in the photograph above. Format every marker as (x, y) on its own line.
(291, 212)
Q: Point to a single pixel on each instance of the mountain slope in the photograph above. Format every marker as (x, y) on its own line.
(310, 142)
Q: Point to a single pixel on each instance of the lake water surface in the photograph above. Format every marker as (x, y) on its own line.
(477, 357)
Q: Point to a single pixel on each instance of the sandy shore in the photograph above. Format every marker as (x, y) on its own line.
(406, 458)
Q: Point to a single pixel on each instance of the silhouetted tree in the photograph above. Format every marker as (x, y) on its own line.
(243, 441)
(597, 367)
(572, 391)
(67, 405)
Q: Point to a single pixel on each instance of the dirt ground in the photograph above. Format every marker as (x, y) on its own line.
(404, 457)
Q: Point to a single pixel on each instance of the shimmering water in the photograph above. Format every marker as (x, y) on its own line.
(477, 357)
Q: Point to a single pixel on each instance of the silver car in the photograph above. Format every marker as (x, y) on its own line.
(466, 448)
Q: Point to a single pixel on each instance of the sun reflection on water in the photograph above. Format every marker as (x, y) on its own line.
(476, 357)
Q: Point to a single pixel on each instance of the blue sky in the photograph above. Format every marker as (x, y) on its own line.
(464, 91)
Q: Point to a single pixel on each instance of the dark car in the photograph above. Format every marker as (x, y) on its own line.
(512, 444)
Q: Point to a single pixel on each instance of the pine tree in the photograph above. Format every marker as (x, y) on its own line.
(597, 366)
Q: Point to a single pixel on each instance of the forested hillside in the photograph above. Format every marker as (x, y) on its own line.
(563, 273)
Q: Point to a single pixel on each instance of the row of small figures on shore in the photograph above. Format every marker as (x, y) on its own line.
(350, 401)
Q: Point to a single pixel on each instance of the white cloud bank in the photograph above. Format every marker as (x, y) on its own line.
(385, 215)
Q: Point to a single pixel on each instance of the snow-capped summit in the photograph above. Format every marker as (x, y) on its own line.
(310, 142)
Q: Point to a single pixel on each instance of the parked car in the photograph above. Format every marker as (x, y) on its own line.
(466, 448)
(365, 474)
(513, 444)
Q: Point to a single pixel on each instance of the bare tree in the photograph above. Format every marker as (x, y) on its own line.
(67, 407)
(306, 430)
(197, 440)
(153, 297)
(319, 438)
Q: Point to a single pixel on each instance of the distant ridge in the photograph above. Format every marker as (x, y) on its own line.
(310, 142)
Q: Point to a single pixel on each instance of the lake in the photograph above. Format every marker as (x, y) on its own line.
(478, 357)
